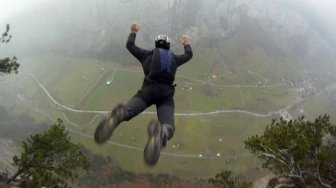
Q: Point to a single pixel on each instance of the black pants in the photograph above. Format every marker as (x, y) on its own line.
(162, 95)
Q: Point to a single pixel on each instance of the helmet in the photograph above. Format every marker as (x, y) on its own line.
(162, 41)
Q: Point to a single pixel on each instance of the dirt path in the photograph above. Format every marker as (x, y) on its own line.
(64, 107)
(271, 113)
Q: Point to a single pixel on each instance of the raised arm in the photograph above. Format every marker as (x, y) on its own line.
(181, 59)
(136, 51)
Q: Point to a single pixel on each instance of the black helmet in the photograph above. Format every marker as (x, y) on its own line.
(162, 41)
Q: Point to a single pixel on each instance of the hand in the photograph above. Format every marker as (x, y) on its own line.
(185, 39)
(134, 27)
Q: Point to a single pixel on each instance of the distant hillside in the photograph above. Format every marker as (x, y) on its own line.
(284, 31)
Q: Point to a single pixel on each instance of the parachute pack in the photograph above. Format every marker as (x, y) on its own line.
(163, 66)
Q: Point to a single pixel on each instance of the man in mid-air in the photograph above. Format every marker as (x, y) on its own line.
(159, 66)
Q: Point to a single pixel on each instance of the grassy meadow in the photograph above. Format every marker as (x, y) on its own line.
(202, 145)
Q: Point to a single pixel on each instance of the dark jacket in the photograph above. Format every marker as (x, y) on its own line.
(145, 57)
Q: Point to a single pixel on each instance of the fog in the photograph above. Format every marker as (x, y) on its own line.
(326, 11)
(325, 8)
(299, 34)
(12, 8)
(45, 20)
(254, 60)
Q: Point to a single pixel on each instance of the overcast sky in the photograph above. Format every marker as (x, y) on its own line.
(326, 8)
(327, 5)
(12, 7)
(9, 8)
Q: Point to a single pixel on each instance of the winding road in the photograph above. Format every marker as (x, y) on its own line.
(81, 133)
(216, 112)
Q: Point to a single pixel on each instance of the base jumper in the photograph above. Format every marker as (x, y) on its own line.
(158, 88)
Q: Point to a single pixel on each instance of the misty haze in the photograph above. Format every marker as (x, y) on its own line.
(253, 61)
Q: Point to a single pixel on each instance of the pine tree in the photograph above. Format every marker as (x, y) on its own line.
(49, 159)
(224, 179)
(8, 65)
(301, 153)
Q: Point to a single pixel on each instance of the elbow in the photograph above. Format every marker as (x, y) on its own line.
(188, 51)
(130, 41)
(190, 54)
(129, 45)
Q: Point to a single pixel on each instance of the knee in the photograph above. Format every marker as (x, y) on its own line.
(168, 130)
(128, 115)
(121, 112)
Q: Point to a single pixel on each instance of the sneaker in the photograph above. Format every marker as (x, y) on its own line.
(154, 143)
(164, 135)
(106, 127)
(104, 130)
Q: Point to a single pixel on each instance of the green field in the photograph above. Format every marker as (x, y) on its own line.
(202, 145)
